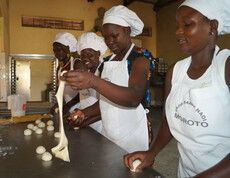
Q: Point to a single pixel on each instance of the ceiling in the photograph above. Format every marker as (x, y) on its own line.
(157, 4)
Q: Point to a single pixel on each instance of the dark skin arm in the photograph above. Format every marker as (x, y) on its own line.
(162, 138)
(126, 96)
(84, 123)
(222, 169)
(71, 103)
(86, 116)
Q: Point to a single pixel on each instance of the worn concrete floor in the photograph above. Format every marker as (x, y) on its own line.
(167, 160)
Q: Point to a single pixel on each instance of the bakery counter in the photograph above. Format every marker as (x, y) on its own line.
(91, 155)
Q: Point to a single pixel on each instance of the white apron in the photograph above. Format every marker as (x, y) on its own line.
(87, 98)
(125, 126)
(69, 93)
(199, 115)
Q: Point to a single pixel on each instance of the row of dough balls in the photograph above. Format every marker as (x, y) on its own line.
(46, 156)
(38, 126)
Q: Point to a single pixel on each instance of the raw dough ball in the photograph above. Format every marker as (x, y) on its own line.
(57, 135)
(136, 163)
(56, 110)
(37, 121)
(30, 126)
(50, 122)
(39, 131)
(40, 150)
(50, 128)
(41, 124)
(34, 128)
(27, 132)
(46, 156)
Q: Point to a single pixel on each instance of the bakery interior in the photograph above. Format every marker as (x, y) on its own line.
(28, 65)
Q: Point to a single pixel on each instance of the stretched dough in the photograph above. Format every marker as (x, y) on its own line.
(136, 163)
(61, 150)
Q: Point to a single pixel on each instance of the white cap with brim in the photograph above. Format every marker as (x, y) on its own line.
(213, 9)
(121, 15)
(93, 41)
(67, 39)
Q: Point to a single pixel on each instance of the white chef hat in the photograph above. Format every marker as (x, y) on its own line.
(67, 39)
(121, 15)
(91, 40)
(213, 9)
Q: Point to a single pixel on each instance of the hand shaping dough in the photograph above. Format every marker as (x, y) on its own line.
(46, 156)
(50, 122)
(27, 132)
(136, 163)
(61, 150)
(40, 150)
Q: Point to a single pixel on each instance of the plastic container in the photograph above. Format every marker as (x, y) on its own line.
(17, 104)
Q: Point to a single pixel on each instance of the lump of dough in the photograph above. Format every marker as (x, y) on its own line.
(39, 131)
(50, 122)
(27, 132)
(37, 121)
(57, 135)
(30, 126)
(46, 156)
(136, 163)
(50, 128)
(56, 110)
(40, 150)
(34, 128)
(41, 124)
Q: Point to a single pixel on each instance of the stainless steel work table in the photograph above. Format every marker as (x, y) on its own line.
(91, 155)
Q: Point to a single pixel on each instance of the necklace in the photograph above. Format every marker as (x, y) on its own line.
(66, 64)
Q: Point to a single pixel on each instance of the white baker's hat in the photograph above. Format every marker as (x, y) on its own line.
(66, 39)
(121, 15)
(91, 40)
(213, 9)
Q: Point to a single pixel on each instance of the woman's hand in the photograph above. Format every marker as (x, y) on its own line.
(79, 79)
(145, 157)
(75, 119)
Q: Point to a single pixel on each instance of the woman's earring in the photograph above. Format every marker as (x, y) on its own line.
(212, 33)
(68, 55)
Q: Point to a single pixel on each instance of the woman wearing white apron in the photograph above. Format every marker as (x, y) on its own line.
(123, 83)
(198, 94)
(91, 47)
(64, 44)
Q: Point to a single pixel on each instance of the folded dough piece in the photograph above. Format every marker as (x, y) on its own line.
(61, 150)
